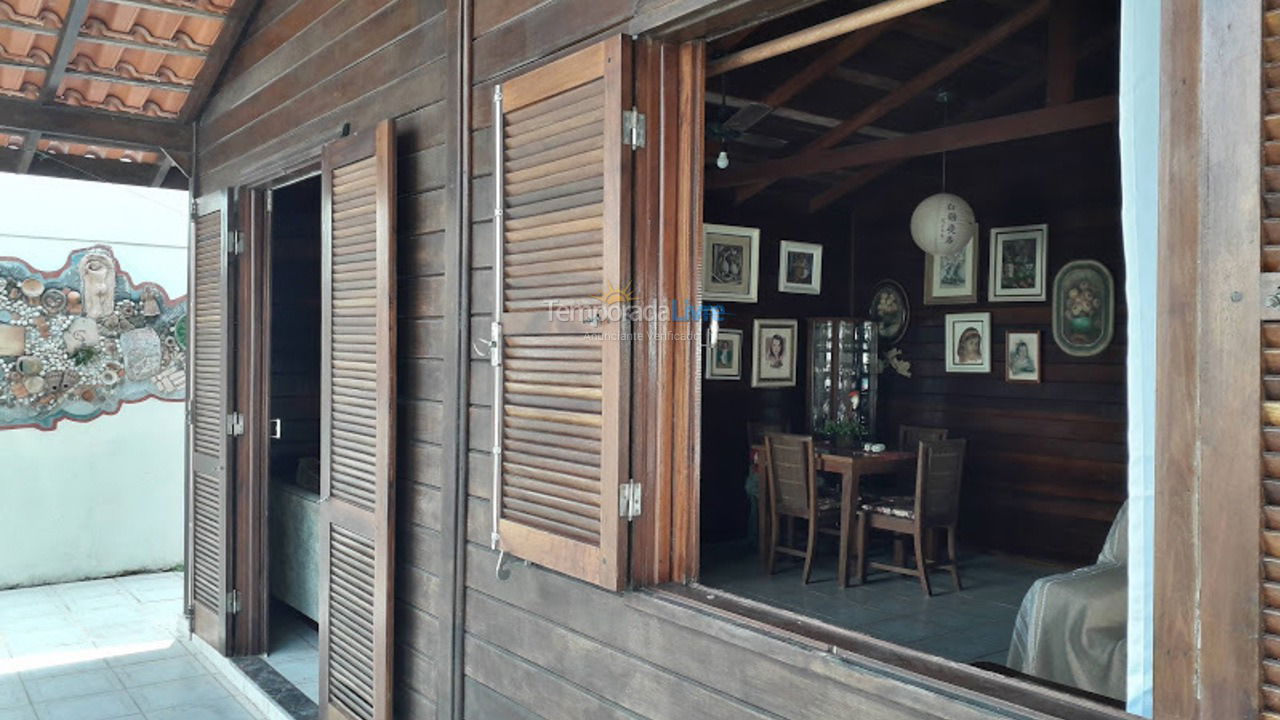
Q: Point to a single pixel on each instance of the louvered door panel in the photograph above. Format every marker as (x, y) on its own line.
(358, 427)
(1270, 240)
(207, 482)
(563, 240)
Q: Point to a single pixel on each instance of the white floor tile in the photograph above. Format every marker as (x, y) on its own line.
(188, 691)
(104, 706)
(61, 687)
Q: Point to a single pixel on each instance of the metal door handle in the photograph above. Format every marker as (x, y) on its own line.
(274, 427)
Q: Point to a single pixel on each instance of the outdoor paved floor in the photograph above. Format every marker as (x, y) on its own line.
(107, 649)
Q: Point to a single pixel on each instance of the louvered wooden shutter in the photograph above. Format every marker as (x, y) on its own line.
(208, 477)
(1270, 283)
(561, 381)
(358, 395)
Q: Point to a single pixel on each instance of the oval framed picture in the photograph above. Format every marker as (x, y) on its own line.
(890, 308)
(1084, 308)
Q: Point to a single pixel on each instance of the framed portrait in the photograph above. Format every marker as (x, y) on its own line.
(730, 262)
(890, 308)
(724, 360)
(800, 268)
(774, 345)
(952, 279)
(969, 342)
(1022, 357)
(1084, 308)
(1018, 258)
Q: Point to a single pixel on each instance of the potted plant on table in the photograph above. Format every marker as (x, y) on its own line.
(843, 433)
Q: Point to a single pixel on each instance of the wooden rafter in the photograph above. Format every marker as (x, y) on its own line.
(813, 72)
(843, 25)
(36, 29)
(916, 85)
(1061, 87)
(126, 80)
(116, 129)
(993, 104)
(948, 34)
(75, 17)
(162, 170)
(190, 9)
(232, 28)
(866, 79)
(1033, 123)
(801, 116)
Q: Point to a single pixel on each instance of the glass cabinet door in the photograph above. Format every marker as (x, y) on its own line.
(821, 354)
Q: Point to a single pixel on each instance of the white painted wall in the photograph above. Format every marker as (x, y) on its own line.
(105, 497)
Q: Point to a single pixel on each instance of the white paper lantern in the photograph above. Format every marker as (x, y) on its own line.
(943, 224)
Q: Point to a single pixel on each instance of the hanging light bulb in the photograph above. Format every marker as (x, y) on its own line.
(722, 160)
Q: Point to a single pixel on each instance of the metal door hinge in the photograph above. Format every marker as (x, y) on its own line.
(629, 500)
(633, 128)
(235, 424)
(235, 242)
(233, 602)
(271, 200)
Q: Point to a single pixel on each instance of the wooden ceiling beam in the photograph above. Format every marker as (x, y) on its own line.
(857, 20)
(162, 170)
(95, 126)
(217, 58)
(71, 25)
(948, 34)
(1019, 126)
(1061, 63)
(916, 85)
(795, 84)
(992, 104)
(125, 80)
(800, 116)
(80, 168)
(866, 79)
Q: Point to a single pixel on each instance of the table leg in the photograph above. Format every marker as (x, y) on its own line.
(848, 494)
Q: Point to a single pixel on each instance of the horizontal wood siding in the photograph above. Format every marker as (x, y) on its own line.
(542, 645)
(305, 68)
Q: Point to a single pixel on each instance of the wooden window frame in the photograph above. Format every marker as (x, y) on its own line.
(1206, 412)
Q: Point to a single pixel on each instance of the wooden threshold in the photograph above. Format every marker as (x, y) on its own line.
(934, 673)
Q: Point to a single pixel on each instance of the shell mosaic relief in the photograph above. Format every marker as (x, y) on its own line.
(79, 342)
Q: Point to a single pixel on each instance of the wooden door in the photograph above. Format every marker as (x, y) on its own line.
(562, 360)
(208, 421)
(358, 395)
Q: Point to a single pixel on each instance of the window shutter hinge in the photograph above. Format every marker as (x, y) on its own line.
(271, 200)
(629, 500)
(235, 424)
(235, 242)
(633, 128)
(233, 602)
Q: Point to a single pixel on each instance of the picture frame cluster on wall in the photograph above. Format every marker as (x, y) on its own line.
(775, 345)
(731, 264)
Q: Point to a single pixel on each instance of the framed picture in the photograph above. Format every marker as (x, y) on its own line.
(1022, 357)
(724, 360)
(800, 268)
(952, 279)
(1018, 257)
(774, 345)
(969, 342)
(890, 308)
(730, 262)
(1084, 308)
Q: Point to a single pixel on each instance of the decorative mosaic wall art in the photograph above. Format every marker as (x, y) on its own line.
(79, 342)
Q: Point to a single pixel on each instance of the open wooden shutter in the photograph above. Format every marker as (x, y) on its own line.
(562, 365)
(208, 475)
(358, 404)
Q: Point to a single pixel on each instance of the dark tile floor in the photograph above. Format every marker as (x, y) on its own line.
(972, 625)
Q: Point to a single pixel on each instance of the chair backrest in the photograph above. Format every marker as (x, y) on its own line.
(938, 473)
(789, 465)
(910, 436)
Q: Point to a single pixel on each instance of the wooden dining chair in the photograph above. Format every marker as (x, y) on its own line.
(935, 505)
(909, 436)
(791, 476)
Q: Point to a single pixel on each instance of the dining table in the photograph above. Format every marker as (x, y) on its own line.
(851, 465)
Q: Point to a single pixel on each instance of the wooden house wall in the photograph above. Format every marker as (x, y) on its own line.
(536, 644)
(541, 645)
(304, 68)
(1047, 463)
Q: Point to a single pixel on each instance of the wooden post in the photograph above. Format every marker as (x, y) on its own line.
(1208, 443)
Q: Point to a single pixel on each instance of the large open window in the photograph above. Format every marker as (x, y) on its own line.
(869, 408)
